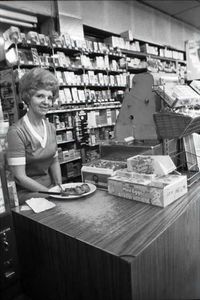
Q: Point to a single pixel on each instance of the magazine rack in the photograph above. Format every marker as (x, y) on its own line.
(174, 148)
(171, 125)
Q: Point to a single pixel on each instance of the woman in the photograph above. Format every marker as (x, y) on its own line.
(32, 147)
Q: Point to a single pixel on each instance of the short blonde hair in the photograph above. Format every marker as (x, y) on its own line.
(37, 79)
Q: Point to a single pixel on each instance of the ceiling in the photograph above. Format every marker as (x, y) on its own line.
(187, 11)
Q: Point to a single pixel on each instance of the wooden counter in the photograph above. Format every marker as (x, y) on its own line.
(105, 247)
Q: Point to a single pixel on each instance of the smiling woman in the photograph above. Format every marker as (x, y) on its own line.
(32, 148)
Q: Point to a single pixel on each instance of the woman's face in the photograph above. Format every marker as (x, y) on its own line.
(40, 102)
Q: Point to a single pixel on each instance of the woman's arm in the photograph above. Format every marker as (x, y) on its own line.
(23, 180)
(55, 171)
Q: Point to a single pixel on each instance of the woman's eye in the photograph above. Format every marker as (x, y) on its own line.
(41, 96)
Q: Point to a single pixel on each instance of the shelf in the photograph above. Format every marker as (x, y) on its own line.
(105, 70)
(134, 53)
(136, 70)
(65, 142)
(90, 86)
(71, 69)
(72, 50)
(116, 55)
(71, 85)
(101, 126)
(163, 58)
(44, 48)
(84, 108)
(102, 107)
(64, 129)
(144, 55)
(117, 86)
(94, 53)
(70, 160)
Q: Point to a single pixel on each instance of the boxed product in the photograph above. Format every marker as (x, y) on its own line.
(133, 175)
(151, 164)
(98, 171)
(160, 191)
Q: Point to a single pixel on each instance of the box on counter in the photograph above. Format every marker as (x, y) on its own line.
(151, 164)
(137, 176)
(98, 171)
(160, 191)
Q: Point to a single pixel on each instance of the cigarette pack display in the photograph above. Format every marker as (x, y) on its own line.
(160, 191)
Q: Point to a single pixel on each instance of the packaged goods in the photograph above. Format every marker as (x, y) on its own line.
(151, 164)
(98, 171)
(160, 191)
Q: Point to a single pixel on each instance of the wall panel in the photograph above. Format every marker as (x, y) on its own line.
(40, 7)
(146, 23)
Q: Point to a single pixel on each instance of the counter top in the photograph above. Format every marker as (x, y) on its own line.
(118, 226)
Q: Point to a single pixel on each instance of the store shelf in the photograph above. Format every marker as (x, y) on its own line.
(70, 160)
(102, 125)
(64, 129)
(65, 142)
(134, 53)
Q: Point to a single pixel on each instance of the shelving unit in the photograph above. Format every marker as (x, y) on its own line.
(93, 76)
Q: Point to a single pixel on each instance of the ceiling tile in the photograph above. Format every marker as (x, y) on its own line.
(191, 16)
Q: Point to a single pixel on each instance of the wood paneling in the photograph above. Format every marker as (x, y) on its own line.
(56, 266)
(170, 267)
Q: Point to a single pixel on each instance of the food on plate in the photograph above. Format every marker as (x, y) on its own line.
(79, 190)
(76, 191)
(85, 187)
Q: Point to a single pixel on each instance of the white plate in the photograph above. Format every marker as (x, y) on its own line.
(72, 185)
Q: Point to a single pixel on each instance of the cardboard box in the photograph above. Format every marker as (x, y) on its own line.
(151, 164)
(98, 171)
(159, 192)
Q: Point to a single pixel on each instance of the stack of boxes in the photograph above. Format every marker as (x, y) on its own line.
(144, 178)
(147, 179)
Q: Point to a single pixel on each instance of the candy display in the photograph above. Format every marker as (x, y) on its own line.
(159, 192)
(98, 171)
(151, 164)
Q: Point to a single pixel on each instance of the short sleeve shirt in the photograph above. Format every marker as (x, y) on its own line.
(26, 147)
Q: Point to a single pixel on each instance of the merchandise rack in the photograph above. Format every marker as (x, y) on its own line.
(174, 148)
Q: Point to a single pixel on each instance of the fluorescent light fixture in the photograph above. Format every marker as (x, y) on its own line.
(15, 22)
(17, 16)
